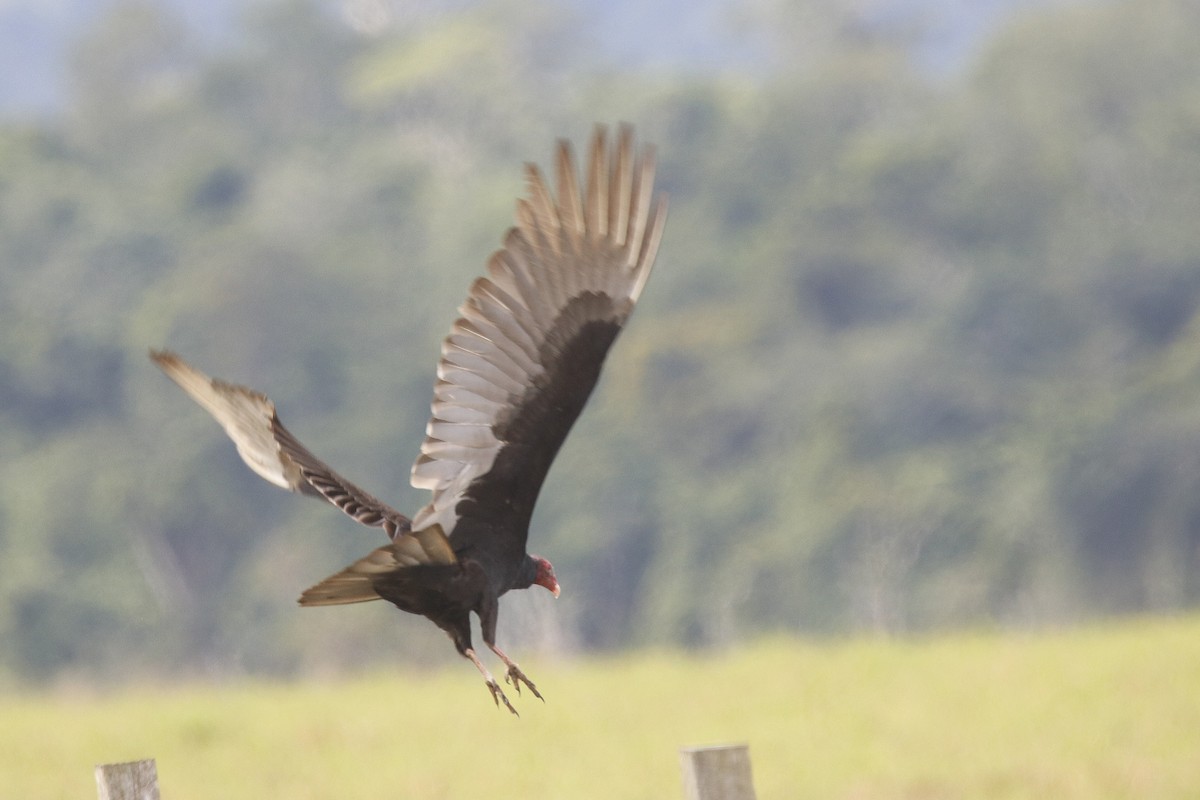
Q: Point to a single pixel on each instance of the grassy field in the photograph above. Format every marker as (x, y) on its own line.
(1106, 712)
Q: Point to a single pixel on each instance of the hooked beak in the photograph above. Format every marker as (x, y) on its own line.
(545, 575)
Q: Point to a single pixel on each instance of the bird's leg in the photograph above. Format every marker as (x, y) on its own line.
(497, 693)
(487, 626)
(515, 676)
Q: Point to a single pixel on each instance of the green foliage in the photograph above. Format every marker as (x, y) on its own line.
(919, 352)
(1009, 716)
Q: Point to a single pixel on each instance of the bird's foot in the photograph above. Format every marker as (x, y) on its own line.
(498, 695)
(516, 678)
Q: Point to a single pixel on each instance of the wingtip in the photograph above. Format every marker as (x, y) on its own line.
(162, 356)
(180, 371)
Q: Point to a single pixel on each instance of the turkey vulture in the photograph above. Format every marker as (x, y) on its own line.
(514, 373)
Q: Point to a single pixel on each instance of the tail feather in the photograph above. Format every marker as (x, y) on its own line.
(356, 583)
(341, 589)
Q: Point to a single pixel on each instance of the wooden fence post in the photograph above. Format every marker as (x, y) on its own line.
(717, 773)
(133, 780)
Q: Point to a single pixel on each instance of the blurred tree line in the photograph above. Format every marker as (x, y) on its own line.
(921, 350)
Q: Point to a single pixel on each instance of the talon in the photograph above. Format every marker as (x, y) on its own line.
(498, 695)
(516, 678)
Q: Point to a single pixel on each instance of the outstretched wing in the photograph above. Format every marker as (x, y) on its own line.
(526, 352)
(271, 450)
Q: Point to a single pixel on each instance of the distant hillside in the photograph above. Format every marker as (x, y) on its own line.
(36, 36)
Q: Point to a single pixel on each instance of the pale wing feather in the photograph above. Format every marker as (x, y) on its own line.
(453, 412)
(545, 221)
(442, 450)
(509, 360)
(472, 434)
(596, 204)
(488, 336)
(649, 249)
(493, 365)
(622, 177)
(450, 393)
(536, 290)
(472, 382)
(570, 206)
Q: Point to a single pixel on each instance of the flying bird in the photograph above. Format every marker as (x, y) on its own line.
(514, 374)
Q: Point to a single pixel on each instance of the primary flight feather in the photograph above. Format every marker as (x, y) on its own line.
(514, 374)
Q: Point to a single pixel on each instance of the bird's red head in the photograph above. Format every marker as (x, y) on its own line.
(545, 574)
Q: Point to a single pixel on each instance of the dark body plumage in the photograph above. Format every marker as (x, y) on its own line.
(514, 375)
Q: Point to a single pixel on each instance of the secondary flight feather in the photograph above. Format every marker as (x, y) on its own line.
(514, 374)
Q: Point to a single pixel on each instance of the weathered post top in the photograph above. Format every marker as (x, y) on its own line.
(717, 773)
(132, 780)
